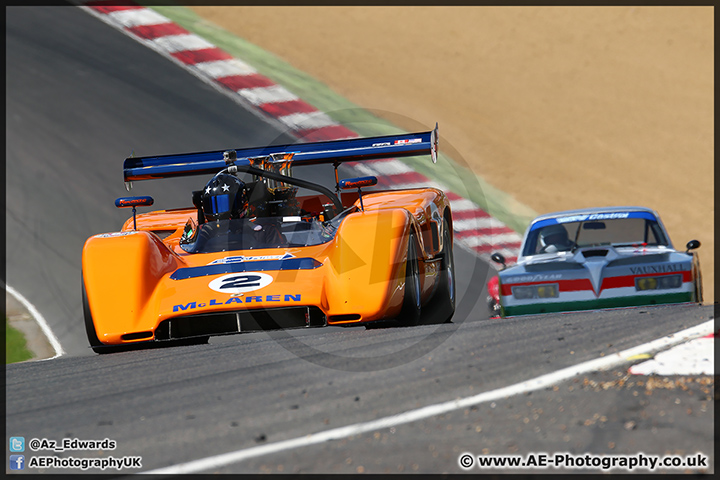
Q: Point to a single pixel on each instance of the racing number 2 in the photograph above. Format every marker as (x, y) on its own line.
(241, 281)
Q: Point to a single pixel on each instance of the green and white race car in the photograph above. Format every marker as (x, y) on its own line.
(595, 258)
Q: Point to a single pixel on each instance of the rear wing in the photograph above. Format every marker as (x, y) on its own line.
(332, 152)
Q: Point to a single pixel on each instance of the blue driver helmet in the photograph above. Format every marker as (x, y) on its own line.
(224, 197)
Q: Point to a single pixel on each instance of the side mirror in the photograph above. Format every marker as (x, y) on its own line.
(358, 183)
(189, 231)
(692, 245)
(124, 202)
(498, 258)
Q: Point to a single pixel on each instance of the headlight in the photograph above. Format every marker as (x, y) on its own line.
(646, 283)
(658, 283)
(535, 291)
(670, 281)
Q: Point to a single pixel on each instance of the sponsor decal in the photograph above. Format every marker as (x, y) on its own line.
(594, 216)
(408, 142)
(115, 234)
(252, 299)
(241, 282)
(381, 144)
(128, 202)
(665, 268)
(540, 277)
(359, 183)
(243, 258)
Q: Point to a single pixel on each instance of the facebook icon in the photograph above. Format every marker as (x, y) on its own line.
(17, 462)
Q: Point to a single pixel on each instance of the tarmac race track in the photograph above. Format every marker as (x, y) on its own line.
(80, 97)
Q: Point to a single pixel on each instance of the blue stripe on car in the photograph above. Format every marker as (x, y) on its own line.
(237, 267)
(555, 221)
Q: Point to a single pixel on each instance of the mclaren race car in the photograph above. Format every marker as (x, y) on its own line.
(253, 254)
(592, 259)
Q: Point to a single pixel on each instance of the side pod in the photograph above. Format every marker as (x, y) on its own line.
(367, 265)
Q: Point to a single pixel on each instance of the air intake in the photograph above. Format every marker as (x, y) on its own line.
(136, 335)
(595, 253)
(350, 317)
(224, 323)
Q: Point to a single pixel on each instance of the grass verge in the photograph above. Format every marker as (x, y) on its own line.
(15, 345)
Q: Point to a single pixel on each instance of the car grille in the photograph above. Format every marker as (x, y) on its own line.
(595, 253)
(224, 323)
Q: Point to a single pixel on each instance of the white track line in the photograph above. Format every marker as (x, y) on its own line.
(691, 358)
(492, 239)
(40, 320)
(477, 223)
(224, 68)
(463, 204)
(389, 167)
(136, 18)
(547, 380)
(272, 94)
(181, 43)
(307, 121)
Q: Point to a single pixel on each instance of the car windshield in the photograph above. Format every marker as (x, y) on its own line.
(619, 232)
(260, 232)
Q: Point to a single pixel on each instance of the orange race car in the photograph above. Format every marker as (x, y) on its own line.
(254, 255)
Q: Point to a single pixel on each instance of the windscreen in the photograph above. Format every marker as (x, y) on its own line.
(261, 232)
(568, 236)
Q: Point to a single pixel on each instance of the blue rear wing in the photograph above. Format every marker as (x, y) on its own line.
(313, 153)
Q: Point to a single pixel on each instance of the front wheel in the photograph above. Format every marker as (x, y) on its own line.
(92, 337)
(410, 312)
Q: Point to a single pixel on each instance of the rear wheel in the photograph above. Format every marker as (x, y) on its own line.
(698, 286)
(410, 312)
(445, 294)
(493, 307)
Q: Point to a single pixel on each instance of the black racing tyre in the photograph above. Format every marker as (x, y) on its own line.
(493, 307)
(410, 312)
(445, 294)
(698, 288)
(93, 339)
(698, 282)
